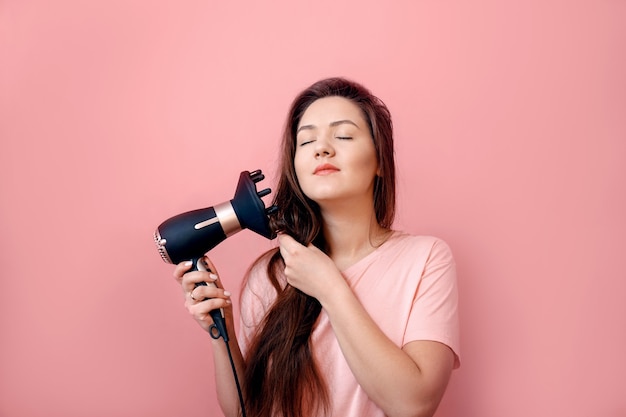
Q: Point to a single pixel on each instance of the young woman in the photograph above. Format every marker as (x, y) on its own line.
(346, 317)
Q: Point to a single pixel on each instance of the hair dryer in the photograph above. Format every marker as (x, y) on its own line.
(188, 236)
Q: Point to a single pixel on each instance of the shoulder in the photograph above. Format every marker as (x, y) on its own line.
(429, 248)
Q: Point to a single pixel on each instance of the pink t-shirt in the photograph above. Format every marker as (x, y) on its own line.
(407, 285)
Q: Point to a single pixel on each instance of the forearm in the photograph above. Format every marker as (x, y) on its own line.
(225, 384)
(390, 377)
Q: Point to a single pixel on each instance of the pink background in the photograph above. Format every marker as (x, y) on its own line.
(115, 115)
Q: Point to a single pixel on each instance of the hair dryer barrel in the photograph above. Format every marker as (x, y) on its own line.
(190, 235)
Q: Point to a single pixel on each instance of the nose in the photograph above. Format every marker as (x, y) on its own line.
(323, 147)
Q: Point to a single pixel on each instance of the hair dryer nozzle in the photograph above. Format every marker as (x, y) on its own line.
(248, 205)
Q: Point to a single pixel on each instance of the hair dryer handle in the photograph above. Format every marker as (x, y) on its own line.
(218, 328)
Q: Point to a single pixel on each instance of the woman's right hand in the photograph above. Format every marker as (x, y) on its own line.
(201, 299)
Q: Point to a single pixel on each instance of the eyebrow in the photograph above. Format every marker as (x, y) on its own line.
(332, 124)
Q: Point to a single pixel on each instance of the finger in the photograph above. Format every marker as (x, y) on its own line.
(213, 270)
(287, 245)
(210, 266)
(194, 278)
(180, 270)
(286, 240)
(201, 310)
(203, 292)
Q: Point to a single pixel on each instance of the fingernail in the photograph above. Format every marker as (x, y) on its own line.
(227, 293)
(188, 263)
(213, 276)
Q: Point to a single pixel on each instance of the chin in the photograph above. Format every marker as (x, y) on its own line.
(324, 198)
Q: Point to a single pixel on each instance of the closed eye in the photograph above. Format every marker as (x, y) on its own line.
(305, 142)
(344, 137)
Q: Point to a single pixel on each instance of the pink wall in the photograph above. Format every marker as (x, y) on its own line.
(511, 145)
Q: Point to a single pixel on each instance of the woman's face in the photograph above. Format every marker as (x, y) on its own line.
(335, 157)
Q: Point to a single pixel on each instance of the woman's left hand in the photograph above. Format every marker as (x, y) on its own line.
(307, 268)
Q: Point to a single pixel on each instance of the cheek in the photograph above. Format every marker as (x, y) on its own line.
(368, 163)
(298, 167)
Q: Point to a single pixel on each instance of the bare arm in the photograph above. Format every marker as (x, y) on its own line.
(199, 301)
(403, 382)
(408, 381)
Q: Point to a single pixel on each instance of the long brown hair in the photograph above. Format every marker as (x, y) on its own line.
(281, 376)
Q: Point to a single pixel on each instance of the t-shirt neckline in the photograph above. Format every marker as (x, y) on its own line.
(372, 254)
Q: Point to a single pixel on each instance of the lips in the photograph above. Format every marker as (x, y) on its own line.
(325, 169)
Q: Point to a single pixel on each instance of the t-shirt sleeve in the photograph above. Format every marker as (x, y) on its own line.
(434, 314)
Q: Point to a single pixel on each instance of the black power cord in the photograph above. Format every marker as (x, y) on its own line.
(217, 330)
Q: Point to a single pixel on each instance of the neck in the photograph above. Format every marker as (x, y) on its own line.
(351, 233)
